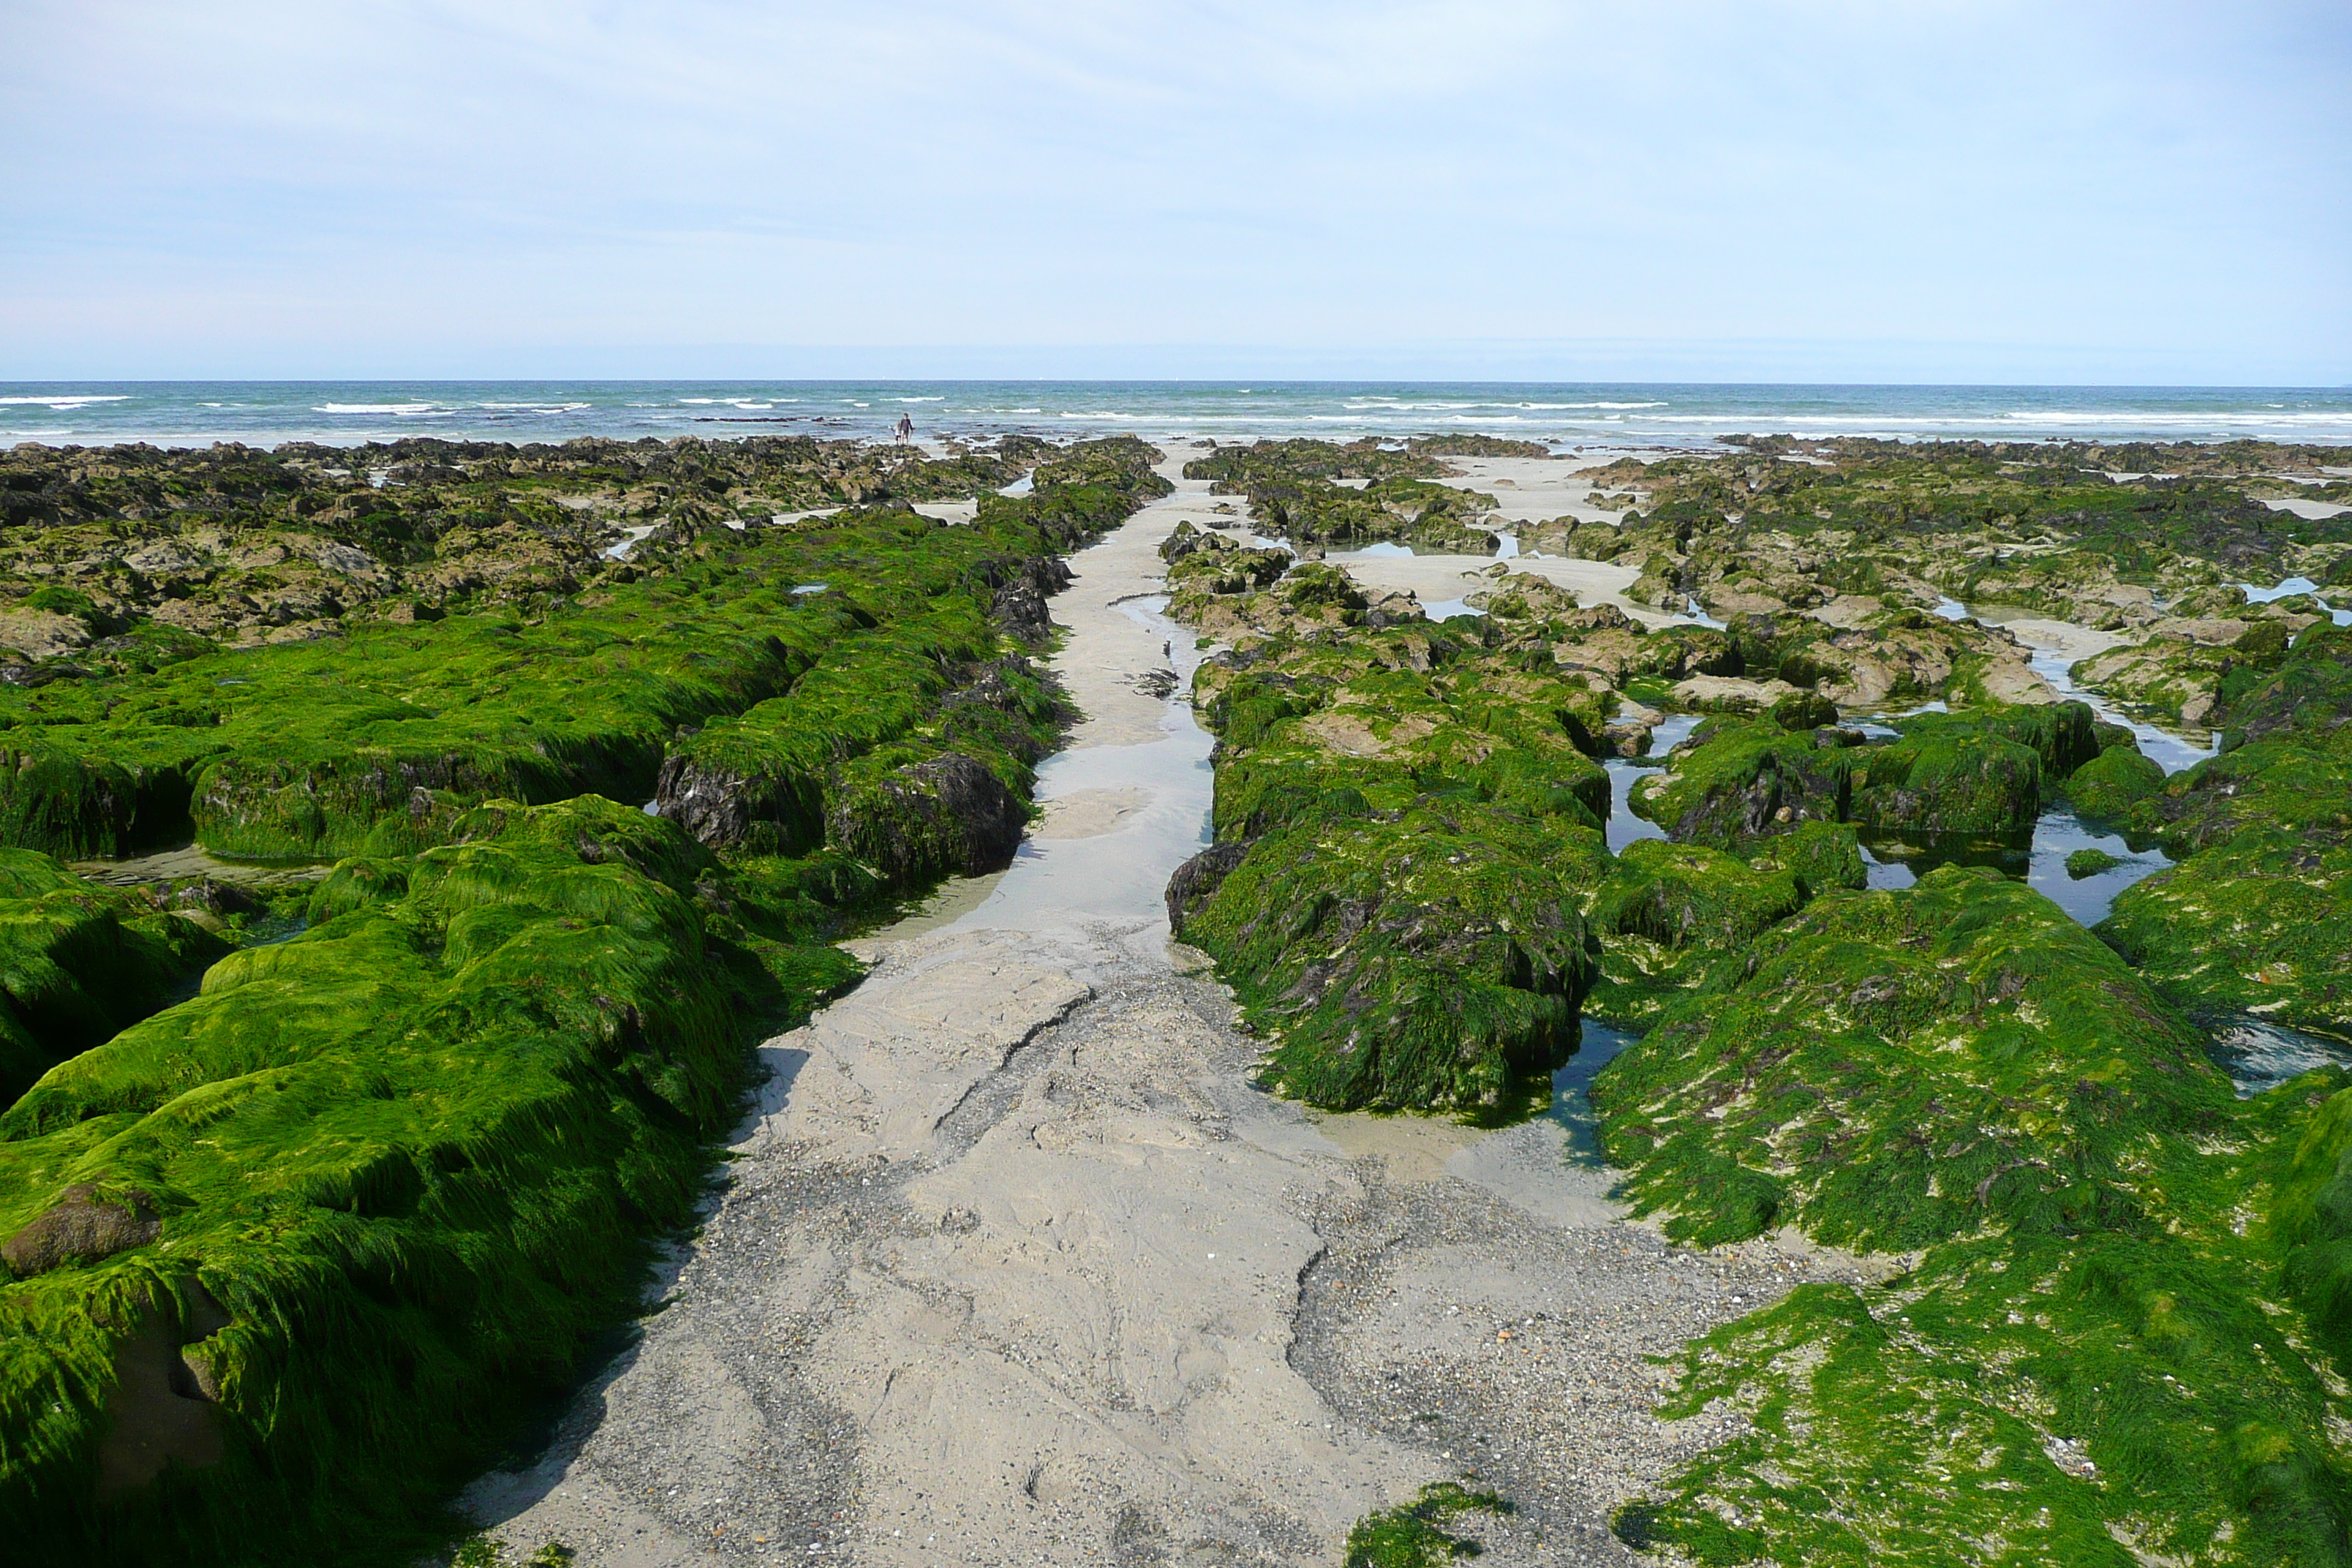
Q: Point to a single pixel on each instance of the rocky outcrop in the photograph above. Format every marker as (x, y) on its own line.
(1196, 881)
(773, 812)
(80, 1228)
(946, 816)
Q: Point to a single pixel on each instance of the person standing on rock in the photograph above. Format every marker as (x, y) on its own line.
(905, 425)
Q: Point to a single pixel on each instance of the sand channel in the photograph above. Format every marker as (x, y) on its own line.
(1014, 1264)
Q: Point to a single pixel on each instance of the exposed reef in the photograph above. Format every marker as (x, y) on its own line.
(292, 1255)
(2113, 1329)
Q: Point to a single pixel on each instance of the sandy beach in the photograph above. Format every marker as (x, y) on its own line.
(1014, 1263)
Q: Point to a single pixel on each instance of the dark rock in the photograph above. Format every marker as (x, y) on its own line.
(216, 898)
(1196, 880)
(1018, 592)
(727, 808)
(80, 1228)
(947, 815)
(1785, 788)
(160, 1411)
(1804, 710)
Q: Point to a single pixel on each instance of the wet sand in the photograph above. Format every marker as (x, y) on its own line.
(1014, 1263)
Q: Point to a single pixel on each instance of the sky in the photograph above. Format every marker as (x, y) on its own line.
(1876, 191)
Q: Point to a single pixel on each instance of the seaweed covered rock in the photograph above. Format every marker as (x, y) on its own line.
(1470, 444)
(763, 804)
(1948, 776)
(1196, 881)
(1979, 773)
(1828, 1101)
(2260, 925)
(2307, 693)
(129, 553)
(1735, 780)
(2112, 782)
(1292, 490)
(79, 961)
(1426, 963)
(1676, 918)
(1409, 825)
(2104, 1237)
(2254, 920)
(62, 804)
(770, 779)
(2285, 782)
(2173, 677)
(390, 1176)
(915, 821)
(300, 751)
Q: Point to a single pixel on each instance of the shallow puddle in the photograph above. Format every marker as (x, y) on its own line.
(1571, 1106)
(1623, 826)
(1162, 791)
(2259, 1055)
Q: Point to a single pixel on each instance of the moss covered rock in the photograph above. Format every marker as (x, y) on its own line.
(1735, 780)
(401, 1167)
(1823, 1073)
(79, 961)
(2262, 924)
(1426, 963)
(2112, 782)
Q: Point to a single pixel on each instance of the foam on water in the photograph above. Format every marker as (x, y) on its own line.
(1561, 414)
(2258, 1054)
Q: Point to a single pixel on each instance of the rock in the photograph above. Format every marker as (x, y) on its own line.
(1757, 792)
(215, 898)
(949, 814)
(346, 559)
(1197, 880)
(727, 808)
(80, 1228)
(41, 634)
(1804, 710)
(1730, 694)
(2109, 784)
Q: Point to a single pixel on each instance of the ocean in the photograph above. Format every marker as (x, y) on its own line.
(1582, 415)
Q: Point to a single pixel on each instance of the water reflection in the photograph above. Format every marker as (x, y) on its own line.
(1571, 1106)
(1896, 858)
(1623, 826)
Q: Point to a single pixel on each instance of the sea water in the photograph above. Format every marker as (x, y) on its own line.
(264, 414)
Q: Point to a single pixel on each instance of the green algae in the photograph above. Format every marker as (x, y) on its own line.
(79, 961)
(1792, 1073)
(1948, 777)
(1981, 774)
(1409, 830)
(2084, 863)
(2086, 1357)
(1679, 918)
(411, 1156)
(1739, 779)
(1426, 963)
(1291, 490)
(374, 1189)
(2254, 918)
(2112, 782)
(299, 751)
(1415, 1534)
(2260, 925)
